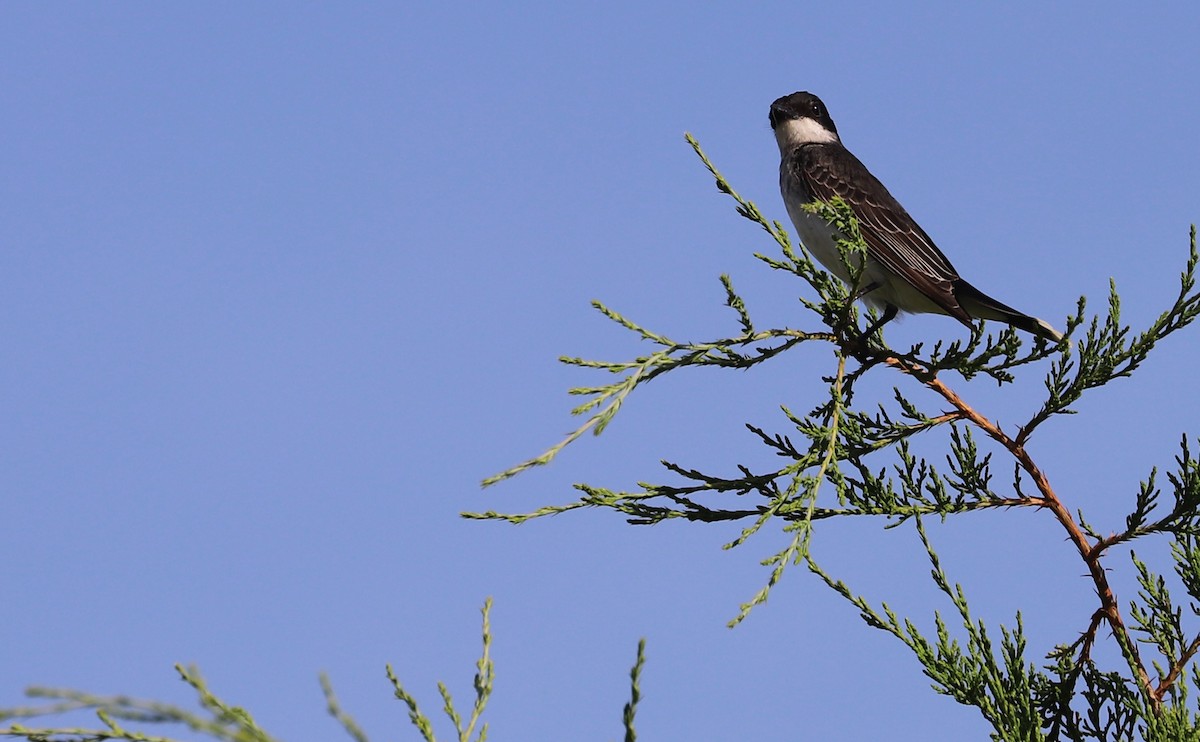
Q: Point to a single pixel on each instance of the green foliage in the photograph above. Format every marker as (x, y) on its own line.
(635, 692)
(485, 676)
(849, 458)
(217, 720)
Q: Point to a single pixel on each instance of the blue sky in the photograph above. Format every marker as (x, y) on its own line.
(282, 283)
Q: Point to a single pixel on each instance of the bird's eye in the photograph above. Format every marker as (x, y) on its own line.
(816, 109)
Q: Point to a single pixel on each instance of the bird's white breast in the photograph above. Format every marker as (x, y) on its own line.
(819, 238)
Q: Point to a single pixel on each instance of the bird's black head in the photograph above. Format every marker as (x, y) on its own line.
(801, 105)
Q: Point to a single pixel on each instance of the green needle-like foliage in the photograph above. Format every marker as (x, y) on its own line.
(850, 457)
(218, 720)
(215, 719)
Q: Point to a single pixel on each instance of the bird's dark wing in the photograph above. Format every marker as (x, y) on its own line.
(893, 237)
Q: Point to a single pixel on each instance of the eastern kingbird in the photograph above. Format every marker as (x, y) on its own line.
(904, 271)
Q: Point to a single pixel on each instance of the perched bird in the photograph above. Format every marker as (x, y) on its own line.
(904, 271)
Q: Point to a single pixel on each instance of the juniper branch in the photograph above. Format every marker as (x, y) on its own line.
(839, 445)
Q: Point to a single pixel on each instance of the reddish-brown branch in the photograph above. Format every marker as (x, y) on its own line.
(1109, 608)
(1088, 638)
(1165, 684)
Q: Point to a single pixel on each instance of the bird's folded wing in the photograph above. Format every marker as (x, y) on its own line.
(893, 238)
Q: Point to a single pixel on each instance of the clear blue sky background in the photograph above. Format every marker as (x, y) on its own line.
(281, 283)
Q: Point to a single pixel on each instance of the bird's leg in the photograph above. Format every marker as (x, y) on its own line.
(889, 310)
(862, 291)
(889, 313)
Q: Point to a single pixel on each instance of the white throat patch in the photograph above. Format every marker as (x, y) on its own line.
(795, 132)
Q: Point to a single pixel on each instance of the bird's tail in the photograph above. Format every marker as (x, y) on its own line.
(981, 306)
